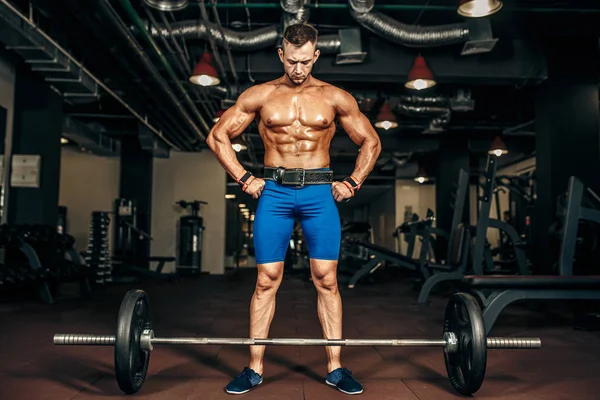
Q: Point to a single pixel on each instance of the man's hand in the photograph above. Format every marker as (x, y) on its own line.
(256, 187)
(340, 191)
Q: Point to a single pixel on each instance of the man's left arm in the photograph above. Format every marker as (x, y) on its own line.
(362, 133)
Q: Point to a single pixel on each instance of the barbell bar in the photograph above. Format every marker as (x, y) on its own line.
(147, 337)
(463, 339)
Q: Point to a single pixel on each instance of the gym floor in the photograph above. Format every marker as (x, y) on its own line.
(33, 368)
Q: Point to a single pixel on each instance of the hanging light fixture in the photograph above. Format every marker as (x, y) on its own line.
(498, 148)
(167, 5)
(478, 8)
(421, 176)
(205, 74)
(217, 116)
(420, 76)
(238, 144)
(386, 118)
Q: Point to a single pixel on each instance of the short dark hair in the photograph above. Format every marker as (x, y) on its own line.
(300, 34)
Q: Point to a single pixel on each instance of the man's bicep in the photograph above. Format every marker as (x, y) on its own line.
(234, 120)
(237, 118)
(358, 127)
(354, 122)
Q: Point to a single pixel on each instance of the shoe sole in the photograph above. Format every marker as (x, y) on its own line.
(343, 391)
(245, 391)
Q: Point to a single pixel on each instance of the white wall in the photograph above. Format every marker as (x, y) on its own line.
(418, 197)
(7, 100)
(87, 183)
(381, 216)
(189, 176)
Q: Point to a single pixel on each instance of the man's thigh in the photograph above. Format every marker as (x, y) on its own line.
(320, 222)
(273, 223)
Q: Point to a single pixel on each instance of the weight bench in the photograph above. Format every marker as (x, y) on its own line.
(380, 254)
(507, 289)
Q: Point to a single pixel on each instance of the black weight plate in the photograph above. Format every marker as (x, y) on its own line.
(131, 362)
(466, 368)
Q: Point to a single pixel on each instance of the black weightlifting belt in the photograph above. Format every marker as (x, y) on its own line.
(298, 177)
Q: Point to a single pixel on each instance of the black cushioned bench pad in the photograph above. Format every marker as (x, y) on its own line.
(533, 281)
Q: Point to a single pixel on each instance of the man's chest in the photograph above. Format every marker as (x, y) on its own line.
(307, 109)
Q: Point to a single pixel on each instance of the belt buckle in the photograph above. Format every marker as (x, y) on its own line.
(302, 177)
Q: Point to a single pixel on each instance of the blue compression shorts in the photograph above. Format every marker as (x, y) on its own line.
(278, 207)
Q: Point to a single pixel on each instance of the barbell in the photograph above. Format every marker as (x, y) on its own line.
(464, 342)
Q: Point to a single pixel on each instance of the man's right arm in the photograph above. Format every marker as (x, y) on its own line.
(231, 124)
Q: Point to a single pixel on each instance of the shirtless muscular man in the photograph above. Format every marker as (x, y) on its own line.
(296, 119)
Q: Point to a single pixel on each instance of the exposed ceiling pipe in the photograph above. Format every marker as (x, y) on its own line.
(184, 92)
(253, 40)
(211, 40)
(185, 65)
(425, 100)
(426, 107)
(180, 61)
(33, 27)
(295, 12)
(404, 34)
(115, 20)
(420, 110)
(227, 49)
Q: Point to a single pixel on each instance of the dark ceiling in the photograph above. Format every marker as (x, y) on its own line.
(149, 76)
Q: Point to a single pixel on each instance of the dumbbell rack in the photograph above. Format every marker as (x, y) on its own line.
(97, 255)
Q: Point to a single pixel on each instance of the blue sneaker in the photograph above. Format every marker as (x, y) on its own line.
(342, 379)
(244, 382)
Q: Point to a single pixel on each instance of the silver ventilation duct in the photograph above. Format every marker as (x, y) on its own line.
(295, 12)
(425, 100)
(407, 35)
(476, 33)
(434, 107)
(237, 40)
(421, 111)
(196, 29)
(268, 36)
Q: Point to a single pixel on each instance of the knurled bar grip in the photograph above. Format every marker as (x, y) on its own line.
(109, 340)
(74, 339)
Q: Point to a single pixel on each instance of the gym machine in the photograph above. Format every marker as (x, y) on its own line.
(129, 257)
(190, 238)
(507, 289)
(482, 254)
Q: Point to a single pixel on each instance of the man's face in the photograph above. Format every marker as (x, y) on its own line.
(298, 61)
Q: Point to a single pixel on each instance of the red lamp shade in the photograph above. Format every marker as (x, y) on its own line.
(386, 118)
(478, 8)
(205, 74)
(217, 116)
(498, 148)
(420, 76)
(421, 176)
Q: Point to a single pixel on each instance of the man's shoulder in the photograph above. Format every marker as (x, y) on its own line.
(332, 89)
(256, 94)
(336, 94)
(261, 88)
